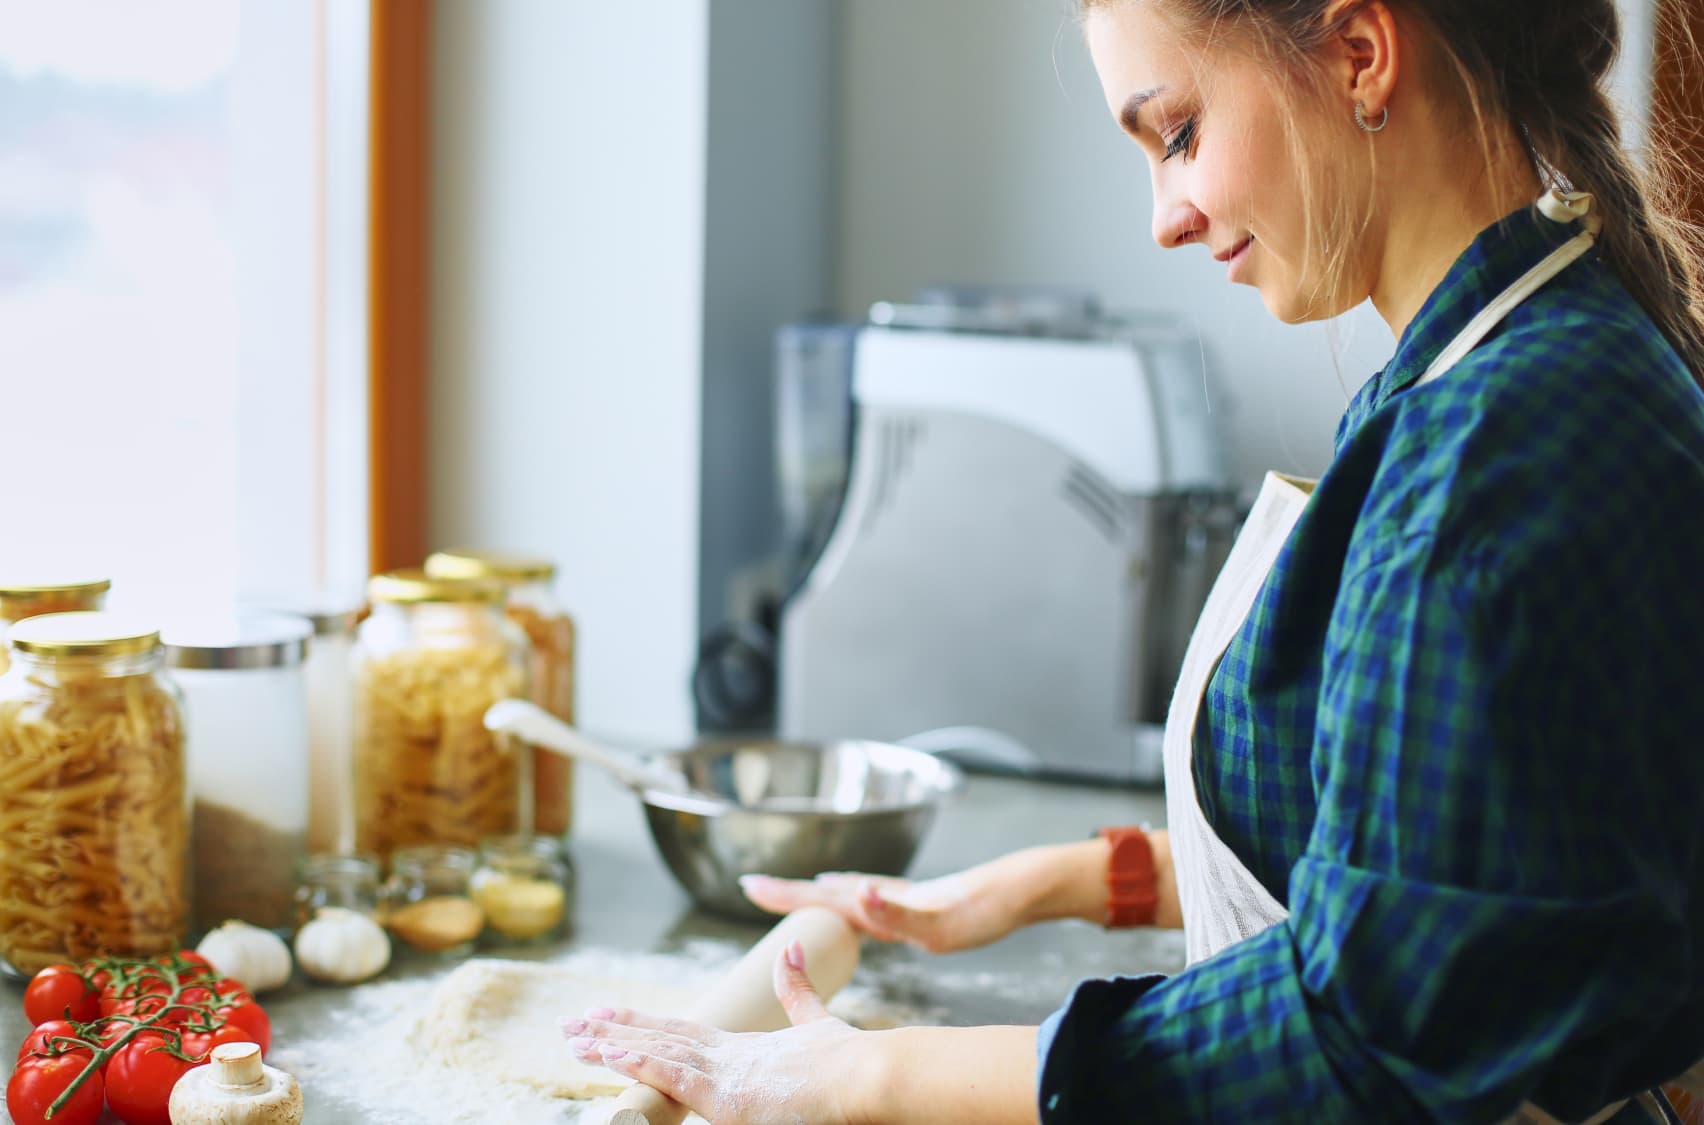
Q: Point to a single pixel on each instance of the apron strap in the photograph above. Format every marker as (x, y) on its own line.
(1561, 207)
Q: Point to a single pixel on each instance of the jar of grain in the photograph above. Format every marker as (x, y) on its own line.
(522, 885)
(533, 606)
(20, 599)
(433, 656)
(94, 855)
(246, 701)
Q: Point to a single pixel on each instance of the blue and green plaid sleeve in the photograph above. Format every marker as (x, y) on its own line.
(1460, 738)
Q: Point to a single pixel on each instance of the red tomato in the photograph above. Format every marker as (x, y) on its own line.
(38, 1082)
(140, 1077)
(37, 1040)
(197, 1044)
(228, 987)
(252, 1019)
(58, 989)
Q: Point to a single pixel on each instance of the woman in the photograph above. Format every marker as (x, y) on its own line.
(1433, 761)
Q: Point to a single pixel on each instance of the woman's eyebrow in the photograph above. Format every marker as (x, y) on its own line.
(1130, 116)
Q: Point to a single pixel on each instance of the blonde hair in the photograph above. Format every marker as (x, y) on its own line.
(1535, 71)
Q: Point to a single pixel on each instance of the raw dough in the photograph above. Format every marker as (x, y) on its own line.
(498, 1020)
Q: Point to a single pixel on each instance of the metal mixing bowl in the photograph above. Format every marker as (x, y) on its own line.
(793, 809)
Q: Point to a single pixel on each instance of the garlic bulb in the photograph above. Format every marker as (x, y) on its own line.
(342, 946)
(257, 958)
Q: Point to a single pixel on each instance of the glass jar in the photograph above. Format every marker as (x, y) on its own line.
(550, 634)
(428, 904)
(19, 600)
(522, 885)
(349, 881)
(94, 857)
(431, 659)
(331, 719)
(246, 702)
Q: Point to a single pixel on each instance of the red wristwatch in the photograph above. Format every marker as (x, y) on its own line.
(1132, 896)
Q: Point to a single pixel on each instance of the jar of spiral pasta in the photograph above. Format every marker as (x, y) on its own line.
(94, 814)
(19, 600)
(428, 662)
(532, 605)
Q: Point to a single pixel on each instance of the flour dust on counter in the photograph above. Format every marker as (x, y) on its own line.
(480, 1043)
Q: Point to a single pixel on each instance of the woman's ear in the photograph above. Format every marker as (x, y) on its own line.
(1367, 43)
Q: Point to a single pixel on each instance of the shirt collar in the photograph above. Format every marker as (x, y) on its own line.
(1498, 256)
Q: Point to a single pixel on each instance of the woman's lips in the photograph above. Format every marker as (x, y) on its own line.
(1237, 258)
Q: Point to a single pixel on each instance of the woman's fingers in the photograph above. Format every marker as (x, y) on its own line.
(794, 989)
(836, 890)
(670, 1068)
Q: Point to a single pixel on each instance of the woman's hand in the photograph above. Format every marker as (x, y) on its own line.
(818, 1070)
(953, 912)
(976, 906)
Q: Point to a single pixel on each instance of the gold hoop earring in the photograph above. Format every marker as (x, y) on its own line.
(1361, 120)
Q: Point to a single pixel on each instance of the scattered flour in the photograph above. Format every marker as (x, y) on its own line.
(369, 1061)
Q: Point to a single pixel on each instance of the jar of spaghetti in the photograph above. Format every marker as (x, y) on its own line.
(94, 813)
(19, 600)
(428, 662)
(550, 634)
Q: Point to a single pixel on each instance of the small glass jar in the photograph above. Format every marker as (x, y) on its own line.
(20, 600)
(428, 899)
(522, 885)
(349, 881)
(246, 702)
(550, 635)
(93, 793)
(428, 663)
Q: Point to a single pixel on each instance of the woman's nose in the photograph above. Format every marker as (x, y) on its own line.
(1176, 223)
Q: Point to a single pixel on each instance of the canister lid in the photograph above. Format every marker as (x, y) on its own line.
(415, 585)
(505, 567)
(245, 639)
(85, 633)
(330, 616)
(11, 587)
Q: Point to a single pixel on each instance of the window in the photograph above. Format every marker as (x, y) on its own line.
(182, 287)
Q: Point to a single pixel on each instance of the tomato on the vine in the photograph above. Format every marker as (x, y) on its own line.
(38, 1082)
(198, 1044)
(45, 1032)
(140, 1077)
(59, 989)
(252, 1019)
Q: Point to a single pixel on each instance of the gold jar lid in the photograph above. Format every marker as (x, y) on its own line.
(490, 564)
(10, 588)
(413, 585)
(84, 634)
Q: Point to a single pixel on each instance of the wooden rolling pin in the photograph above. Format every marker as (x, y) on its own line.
(744, 1000)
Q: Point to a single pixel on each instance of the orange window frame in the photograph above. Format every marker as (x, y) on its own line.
(399, 280)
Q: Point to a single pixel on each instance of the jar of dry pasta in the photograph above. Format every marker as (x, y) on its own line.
(432, 657)
(94, 815)
(19, 600)
(550, 635)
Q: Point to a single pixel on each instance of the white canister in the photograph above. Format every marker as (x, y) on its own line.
(331, 724)
(246, 707)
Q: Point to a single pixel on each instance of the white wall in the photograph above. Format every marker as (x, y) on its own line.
(568, 219)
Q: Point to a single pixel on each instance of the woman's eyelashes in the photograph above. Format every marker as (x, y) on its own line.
(1182, 141)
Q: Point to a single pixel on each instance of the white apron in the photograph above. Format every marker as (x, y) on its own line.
(1222, 901)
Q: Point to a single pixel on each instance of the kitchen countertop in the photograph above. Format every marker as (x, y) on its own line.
(625, 899)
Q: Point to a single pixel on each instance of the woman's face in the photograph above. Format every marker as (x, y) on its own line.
(1213, 129)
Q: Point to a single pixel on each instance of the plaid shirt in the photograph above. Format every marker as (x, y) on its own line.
(1460, 737)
